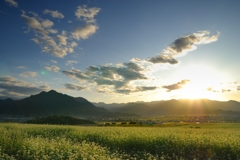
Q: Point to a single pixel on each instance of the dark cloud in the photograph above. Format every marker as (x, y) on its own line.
(12, 85)
(163, 59)
(176, 86)
(74, 87)
(137, 89)
(116, 76)
(183, 45)
(238, 88)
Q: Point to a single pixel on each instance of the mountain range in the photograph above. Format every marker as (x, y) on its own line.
(175, 107)
(54, 103)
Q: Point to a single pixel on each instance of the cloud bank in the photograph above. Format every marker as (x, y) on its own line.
(131, 77)
(110, 78)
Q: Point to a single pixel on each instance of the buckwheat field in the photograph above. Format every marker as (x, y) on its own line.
(31, 142)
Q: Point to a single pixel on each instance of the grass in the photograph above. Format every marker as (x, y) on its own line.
(208, 141)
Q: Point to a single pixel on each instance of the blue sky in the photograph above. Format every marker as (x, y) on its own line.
(120, 51)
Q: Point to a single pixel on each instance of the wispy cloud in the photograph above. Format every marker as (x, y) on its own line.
(176, 86)
(12, 3)
(54, 14)
(74, 87)
(13, 86)
(182, 45)
(226, 90)
(69, 62)
(28, 74)
(53, 61)
(20, 67)
(136, 89)
(52, 68)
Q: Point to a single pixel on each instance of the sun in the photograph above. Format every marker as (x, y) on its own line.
(195, 90)
(201, 79)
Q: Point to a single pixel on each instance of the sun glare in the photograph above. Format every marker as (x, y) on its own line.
(202, 80)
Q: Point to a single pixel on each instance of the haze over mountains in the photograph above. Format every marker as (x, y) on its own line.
(175, 107)
(54, 103)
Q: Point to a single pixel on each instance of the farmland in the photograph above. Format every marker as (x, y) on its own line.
(191, 141)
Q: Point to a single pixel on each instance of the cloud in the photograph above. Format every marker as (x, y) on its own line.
(11, 85)
(238, 88)
(135, 75)
(34, 24)
(226, 90)
(136, 89)
(74, 87)
(210, 89)
(12, 3)
(6, 94)
(69, 62)
(20, 67)
(54, 14)
(83, 32)
(90, 27)
(62, 44)
(62, 39)
(55, 44)
(87, 14)
(53, 61)
(112, 78)
(182, 45)
(176, 86)
(28, 74)
(47, 23)
(52, 68)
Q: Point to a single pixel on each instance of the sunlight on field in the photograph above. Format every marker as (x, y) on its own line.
(19, 141)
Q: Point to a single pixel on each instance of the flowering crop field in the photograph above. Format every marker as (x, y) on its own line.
(31, 142)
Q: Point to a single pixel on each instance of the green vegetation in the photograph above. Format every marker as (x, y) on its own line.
(63, 120)
(30, 142)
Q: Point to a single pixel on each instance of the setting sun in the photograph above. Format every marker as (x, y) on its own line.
(203, 80)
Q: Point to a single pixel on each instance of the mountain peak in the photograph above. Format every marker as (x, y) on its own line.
(52, 91)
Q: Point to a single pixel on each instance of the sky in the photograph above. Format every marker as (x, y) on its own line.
(116, 51)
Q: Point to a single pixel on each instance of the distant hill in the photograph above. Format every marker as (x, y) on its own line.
(176, 107)
(62, 120)
(50, 103)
